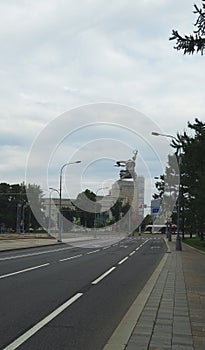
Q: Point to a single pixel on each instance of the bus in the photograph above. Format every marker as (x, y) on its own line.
(155, 229)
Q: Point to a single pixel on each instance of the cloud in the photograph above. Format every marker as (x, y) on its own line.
(98, 135)
(58, 55)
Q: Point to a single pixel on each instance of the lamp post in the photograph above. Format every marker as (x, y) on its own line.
(23, 216)
(18, 217)
(60, 199)
(49, 215)
(178, 238)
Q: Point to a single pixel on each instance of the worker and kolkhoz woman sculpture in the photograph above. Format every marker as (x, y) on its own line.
(129, 172)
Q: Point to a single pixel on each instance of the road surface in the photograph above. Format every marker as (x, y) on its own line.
(66, 297)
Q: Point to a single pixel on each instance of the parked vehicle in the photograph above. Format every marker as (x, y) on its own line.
(155, 229)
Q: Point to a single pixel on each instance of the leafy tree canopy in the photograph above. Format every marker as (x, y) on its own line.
(194, 42)
(190, 153)
(15, 208)
(86, 207)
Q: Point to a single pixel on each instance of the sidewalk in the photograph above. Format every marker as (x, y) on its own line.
(22, 243)
(173, 314)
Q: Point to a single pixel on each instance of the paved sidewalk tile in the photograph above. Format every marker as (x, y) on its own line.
(164, 322)
(194, 272)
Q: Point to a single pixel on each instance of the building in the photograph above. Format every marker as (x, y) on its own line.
(121, 189)
(51, 211)
(124, 189)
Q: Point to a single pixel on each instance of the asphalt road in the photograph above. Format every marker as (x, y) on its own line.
(69, 297)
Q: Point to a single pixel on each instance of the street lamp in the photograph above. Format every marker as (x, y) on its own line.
(26, 204)
(178, 238)
(18, 217)
(49, 215)
(166, 135)
(60, 193)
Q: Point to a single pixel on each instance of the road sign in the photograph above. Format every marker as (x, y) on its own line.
(155, 210)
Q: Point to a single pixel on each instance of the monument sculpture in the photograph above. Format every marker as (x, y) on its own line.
(129, 172)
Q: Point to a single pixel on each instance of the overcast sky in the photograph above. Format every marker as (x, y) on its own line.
(58, 55)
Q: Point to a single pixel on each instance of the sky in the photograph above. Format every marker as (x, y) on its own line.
(89, 80)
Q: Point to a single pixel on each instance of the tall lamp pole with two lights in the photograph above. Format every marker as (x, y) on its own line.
(178, 238)
(60, 198)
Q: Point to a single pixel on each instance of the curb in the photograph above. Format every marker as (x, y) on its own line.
(123, 332)
(196, 250)
(30, 247)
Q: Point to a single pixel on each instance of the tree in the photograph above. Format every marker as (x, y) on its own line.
(15, 211)
(69, 214)
(192, 209)
(190, 155)
(34, 194)
(195, 42)
(167, 187)
(123, 215)
(86, 207)
(116, 210)
(11, 196)
(160, 187)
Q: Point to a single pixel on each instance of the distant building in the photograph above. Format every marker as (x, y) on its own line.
(51, 207)
(121, 189)
(106, 203)
(124, 189)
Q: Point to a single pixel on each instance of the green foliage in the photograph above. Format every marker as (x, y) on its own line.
(195, 242)
(86, 208)
(195, 42)
(160, 186)
(190, 154)
(15, 212)
(69, 214)
(119, 209)
(116, 210)
(167, 186)
(192, 164)
(35, 195)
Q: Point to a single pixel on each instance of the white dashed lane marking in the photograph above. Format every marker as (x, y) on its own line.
(71, 257)
(123, 260)
(16, 343)
(104, 275)
(25, 270)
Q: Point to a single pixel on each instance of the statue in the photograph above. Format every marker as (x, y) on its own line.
(130, 167)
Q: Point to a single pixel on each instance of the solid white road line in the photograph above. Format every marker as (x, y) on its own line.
(123, 260)
(71, 257)
(25, 270)
(104, 275)
(16, 343)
